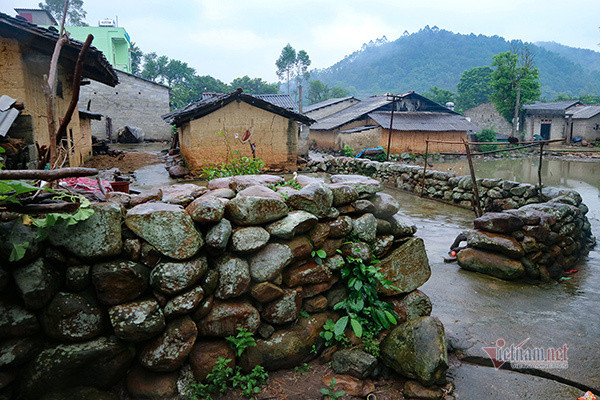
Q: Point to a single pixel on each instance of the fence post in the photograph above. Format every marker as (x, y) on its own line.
(424, 168)
(476, 203)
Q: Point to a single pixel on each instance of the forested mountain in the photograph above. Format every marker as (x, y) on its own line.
(588, 59)
(436, 57)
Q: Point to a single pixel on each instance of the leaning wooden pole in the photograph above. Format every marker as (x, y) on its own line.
(424, 168)
(476, 202)
(540, 171)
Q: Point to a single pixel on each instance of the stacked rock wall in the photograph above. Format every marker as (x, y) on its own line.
(548, 238)
(139, 297)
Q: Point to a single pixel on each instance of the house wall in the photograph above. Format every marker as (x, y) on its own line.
(134, 101)
(332, 109)
(414, 141)
(360, 140)
(533, 124)
(589, 129)
(486, 116)
(276, 137)
(22, 78)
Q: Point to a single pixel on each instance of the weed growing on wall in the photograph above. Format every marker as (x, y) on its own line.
(223, 378)
(235, 164)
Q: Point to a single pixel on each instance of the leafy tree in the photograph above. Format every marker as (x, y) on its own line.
(153, 66)
(441, 96)
(318, 91)
(513, 73)
(254, 85)
(291, 64)
(136, 59)
(191, 90)
(75, 13)
(285, 64)
(474, 87)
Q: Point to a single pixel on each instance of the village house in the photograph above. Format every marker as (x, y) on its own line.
(25, 52)
(485, 116)
(212, 129)
(366, 124)
(547, 121)
(584, 122)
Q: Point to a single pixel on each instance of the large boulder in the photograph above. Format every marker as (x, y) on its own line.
(407, 267)
(174, 277)
(315, 198)
(254, 210)
(267, 263)
(15, 321)
(218, 235)
(283, 310)
(184, 303)
(385, 205)
(340, 227)
(181, 194)
(264, 292)
(365, 186)
(70, 317)
(365, 228)
(287, 348)
(14, 233)
(225, 317)
(294, 223)
(498, 222)
(311, 272)
(137, 321)
(119, 281)
(410, 306)
(401, 225)
(417, 350)
(234, 276)
(495, 242)
(37, 282)
(206, 208)
(249, 239)
(355, 362)
(490, 263)
(206, 353)
(144, 384)
(168, 351)
(343, 194)
(99, 363)
(97, 237)
(167, 227)
(241, 182)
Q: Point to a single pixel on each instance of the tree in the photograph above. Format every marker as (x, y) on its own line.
(136, 59)
(441, 96)
(285, 64)
(514, 82)
(474, 87)
(75, 15)
(191, 90)
(318, 91)
(254, 85)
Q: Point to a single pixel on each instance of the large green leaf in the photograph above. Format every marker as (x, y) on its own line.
(340, 325)
(356, 327)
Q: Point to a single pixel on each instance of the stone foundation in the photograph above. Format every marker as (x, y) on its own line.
(137, 300)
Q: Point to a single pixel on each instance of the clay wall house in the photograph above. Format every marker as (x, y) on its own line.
(366, 124)
(25, 52)
(584, 121)
(211, 129)
(547, 120)
(485, 116)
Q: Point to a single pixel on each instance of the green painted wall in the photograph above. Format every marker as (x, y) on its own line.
(114, 42)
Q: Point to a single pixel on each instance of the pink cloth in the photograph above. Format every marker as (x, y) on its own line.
(88, 184)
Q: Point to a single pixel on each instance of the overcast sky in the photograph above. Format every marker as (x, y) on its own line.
(232, 38)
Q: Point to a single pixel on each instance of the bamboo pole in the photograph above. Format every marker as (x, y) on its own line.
(540, 171)
(47, 175)
(476, 203)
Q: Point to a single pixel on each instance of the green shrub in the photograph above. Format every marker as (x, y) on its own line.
(348, 151)
(487, 135)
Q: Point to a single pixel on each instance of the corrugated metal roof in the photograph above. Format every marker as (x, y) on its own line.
(360, 129)
(95, 65)
(207, 105)
(423, 121)
(280, 100)
(584, 112)
(552, 106)
(351, 113)
(326, 103)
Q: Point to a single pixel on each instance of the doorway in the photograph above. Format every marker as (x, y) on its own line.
(545, 130)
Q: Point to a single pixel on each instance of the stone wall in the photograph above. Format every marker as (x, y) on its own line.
(486, 116)
(570, 221)
(537, 241)
(134, 102)
(138, 298)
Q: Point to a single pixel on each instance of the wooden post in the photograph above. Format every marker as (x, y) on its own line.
(540, 171)
(424, 168)
(476, 203)
(391, 127)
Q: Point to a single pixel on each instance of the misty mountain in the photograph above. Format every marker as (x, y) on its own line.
(588, 59)
(437, 57)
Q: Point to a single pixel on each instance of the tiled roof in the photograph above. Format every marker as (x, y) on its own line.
(351, 113)
(325, 103)
(423, 121)
(207, 105)
(584, 112)
(552, 107)
(96, 66)
(280, 100)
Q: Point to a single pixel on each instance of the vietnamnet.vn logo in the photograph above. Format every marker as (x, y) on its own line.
(521, 356)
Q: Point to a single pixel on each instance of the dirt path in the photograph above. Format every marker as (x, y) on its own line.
(127, 162)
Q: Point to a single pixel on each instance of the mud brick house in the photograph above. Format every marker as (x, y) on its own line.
(584, 121)
(485, 116)
(212, 129)
(25, 52)
(366, 124)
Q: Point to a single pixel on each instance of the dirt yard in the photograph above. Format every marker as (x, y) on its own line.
(127, 162)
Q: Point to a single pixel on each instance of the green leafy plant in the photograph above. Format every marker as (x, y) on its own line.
(217, 381)
(304, 368)
(330, 393)
(289, 183)
(348, 151)
(487, 135)
(235, 164)
(331, 334)
(250, 383)
(241, 341)
(319, 256)
(304, 313)
(369, 343)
